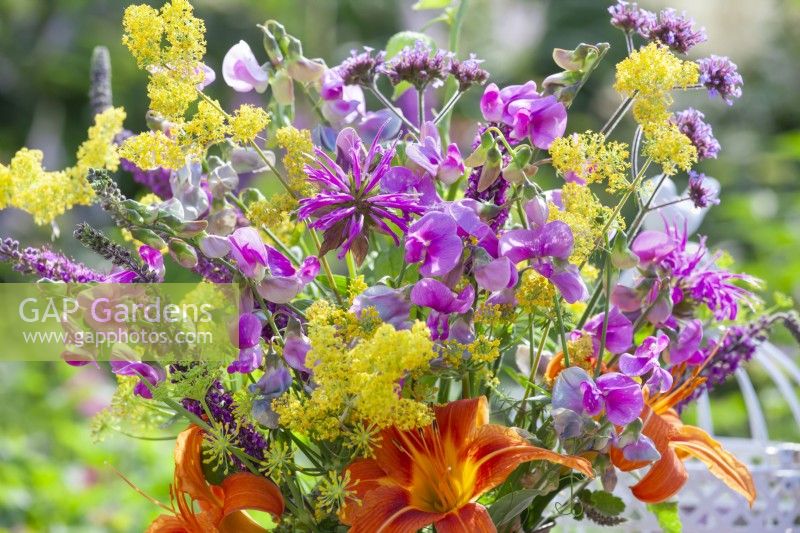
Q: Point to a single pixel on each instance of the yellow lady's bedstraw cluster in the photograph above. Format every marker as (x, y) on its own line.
(170, 45)
(358, 382)
(589, 157)
(25, 184)
(650, 75)
(298, 146)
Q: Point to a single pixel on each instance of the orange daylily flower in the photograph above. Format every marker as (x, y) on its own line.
(222, 507)
(676, 442)
(435, 474)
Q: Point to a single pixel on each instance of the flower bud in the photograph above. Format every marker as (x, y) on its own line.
(478, 157)
(183, 253)
(192, 228)
(148, 237)
(491, 169)
(621, 256)
(271, 46)
(282, 88)
(514, 172)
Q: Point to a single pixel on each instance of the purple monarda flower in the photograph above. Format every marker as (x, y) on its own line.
(619, 395)
(676, 31)
(645, 360)
(418, 66)
(690, 122)
(349, 203)
(428, 155)
(721, 77)
(468, 72)
(433, 240)
(699, 193)
(241, 70)
(360, 68)
(629, 17)
(527, 112)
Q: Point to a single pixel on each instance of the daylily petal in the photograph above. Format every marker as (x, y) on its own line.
(664, 479)
(189, 477)
(472, 517)
(388, 510)
(458, 420)
(246, 491)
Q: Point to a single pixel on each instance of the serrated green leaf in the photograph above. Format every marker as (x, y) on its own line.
(667, 515)
(430, 4)
(607, 503)
(511, 505)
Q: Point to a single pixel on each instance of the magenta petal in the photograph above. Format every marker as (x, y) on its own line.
(567, 391)
(491, 104)
(634, 365)
(619, 330)
(537, 212)
(592, 399)
(434, 294)
(249, 330)
(548, 124)
(279, 290)
(623, 397)
(443, 255)
(650, 246)
(495, 275)
(309, 269)
(556, 240)
(625, 298)
(569, 283)
(688, 342)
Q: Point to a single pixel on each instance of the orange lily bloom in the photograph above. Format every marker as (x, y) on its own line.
(222, 507)
(433, 475)
(676, 442)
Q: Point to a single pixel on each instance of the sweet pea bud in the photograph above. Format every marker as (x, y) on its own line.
(301, 68)
(148, 237)
(621, 256)
(271, 46)
(277, 29)
(170, 221)
(282, 88)
(491, 169)
(192, 228)
(183, 253)
(478, 157)
(250, 195)
(514, 172)
(214, 245)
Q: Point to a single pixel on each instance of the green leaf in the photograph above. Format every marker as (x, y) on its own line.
(430, 4)
(607, 503)
(397, 42)
(667, 515)
(511, 505)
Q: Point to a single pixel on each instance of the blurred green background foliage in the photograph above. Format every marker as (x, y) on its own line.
(53, 478)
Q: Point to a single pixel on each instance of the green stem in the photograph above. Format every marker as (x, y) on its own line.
(599, 365)
(421, 106)
(352, 269)
(615, 117)
(561, 334)
(447, 107)
(391, 107)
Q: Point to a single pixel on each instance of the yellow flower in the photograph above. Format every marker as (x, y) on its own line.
(206, 127)
(151, 150)
(143, 32)
(654, 71)
(247, 122)
(99, 150)
(535, 292)
(297, 144)
(667, 146)
(184, 33)
(591, 158)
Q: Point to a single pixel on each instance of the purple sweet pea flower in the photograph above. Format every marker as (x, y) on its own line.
(619, 395)
(443, 302)
(249, 251)
(241, 70)
(341, 104)
(208, 76)
(404, 181)
(296, 346)
(434, 241)
(619, 331)
(686, 348)
(465, 213)
(428, 155)
(283, 281)
(153, 259)
(645, 360)
(652, 246)
(143, 371)
(391, 304)
(642, 449)
(249, 343)
(567, 392)
(496, 275)
(527, 112)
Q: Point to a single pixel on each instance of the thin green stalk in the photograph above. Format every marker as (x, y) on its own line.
(560, 324)
(601, 352)
(534, 367)
(447, 107)
(391, 107)
(616, 117)
(352, 269)
(421, 106)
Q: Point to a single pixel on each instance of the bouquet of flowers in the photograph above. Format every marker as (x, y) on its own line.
(424, 338)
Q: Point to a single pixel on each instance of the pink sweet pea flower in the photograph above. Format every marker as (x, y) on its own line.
(241, 70)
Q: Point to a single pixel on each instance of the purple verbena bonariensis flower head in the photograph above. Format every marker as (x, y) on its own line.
(528, 113)
(617, 394)
(427, 154)
(242, 72)
(392, 305)
(690, 122)
(700, 194)
(442, 302)
(619, 331)
(646, 359)
(468, 72)
(630, 18)
(720, 76)
(676, 31)
(418, 65)
(547, 245)
(350, 202)
(360, 68)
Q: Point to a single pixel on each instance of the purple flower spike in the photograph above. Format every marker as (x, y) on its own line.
(629, 17)
(350, 201)
(721, 77)
(528, 113)
(434, 241)
(676, 31)
(241, 70)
